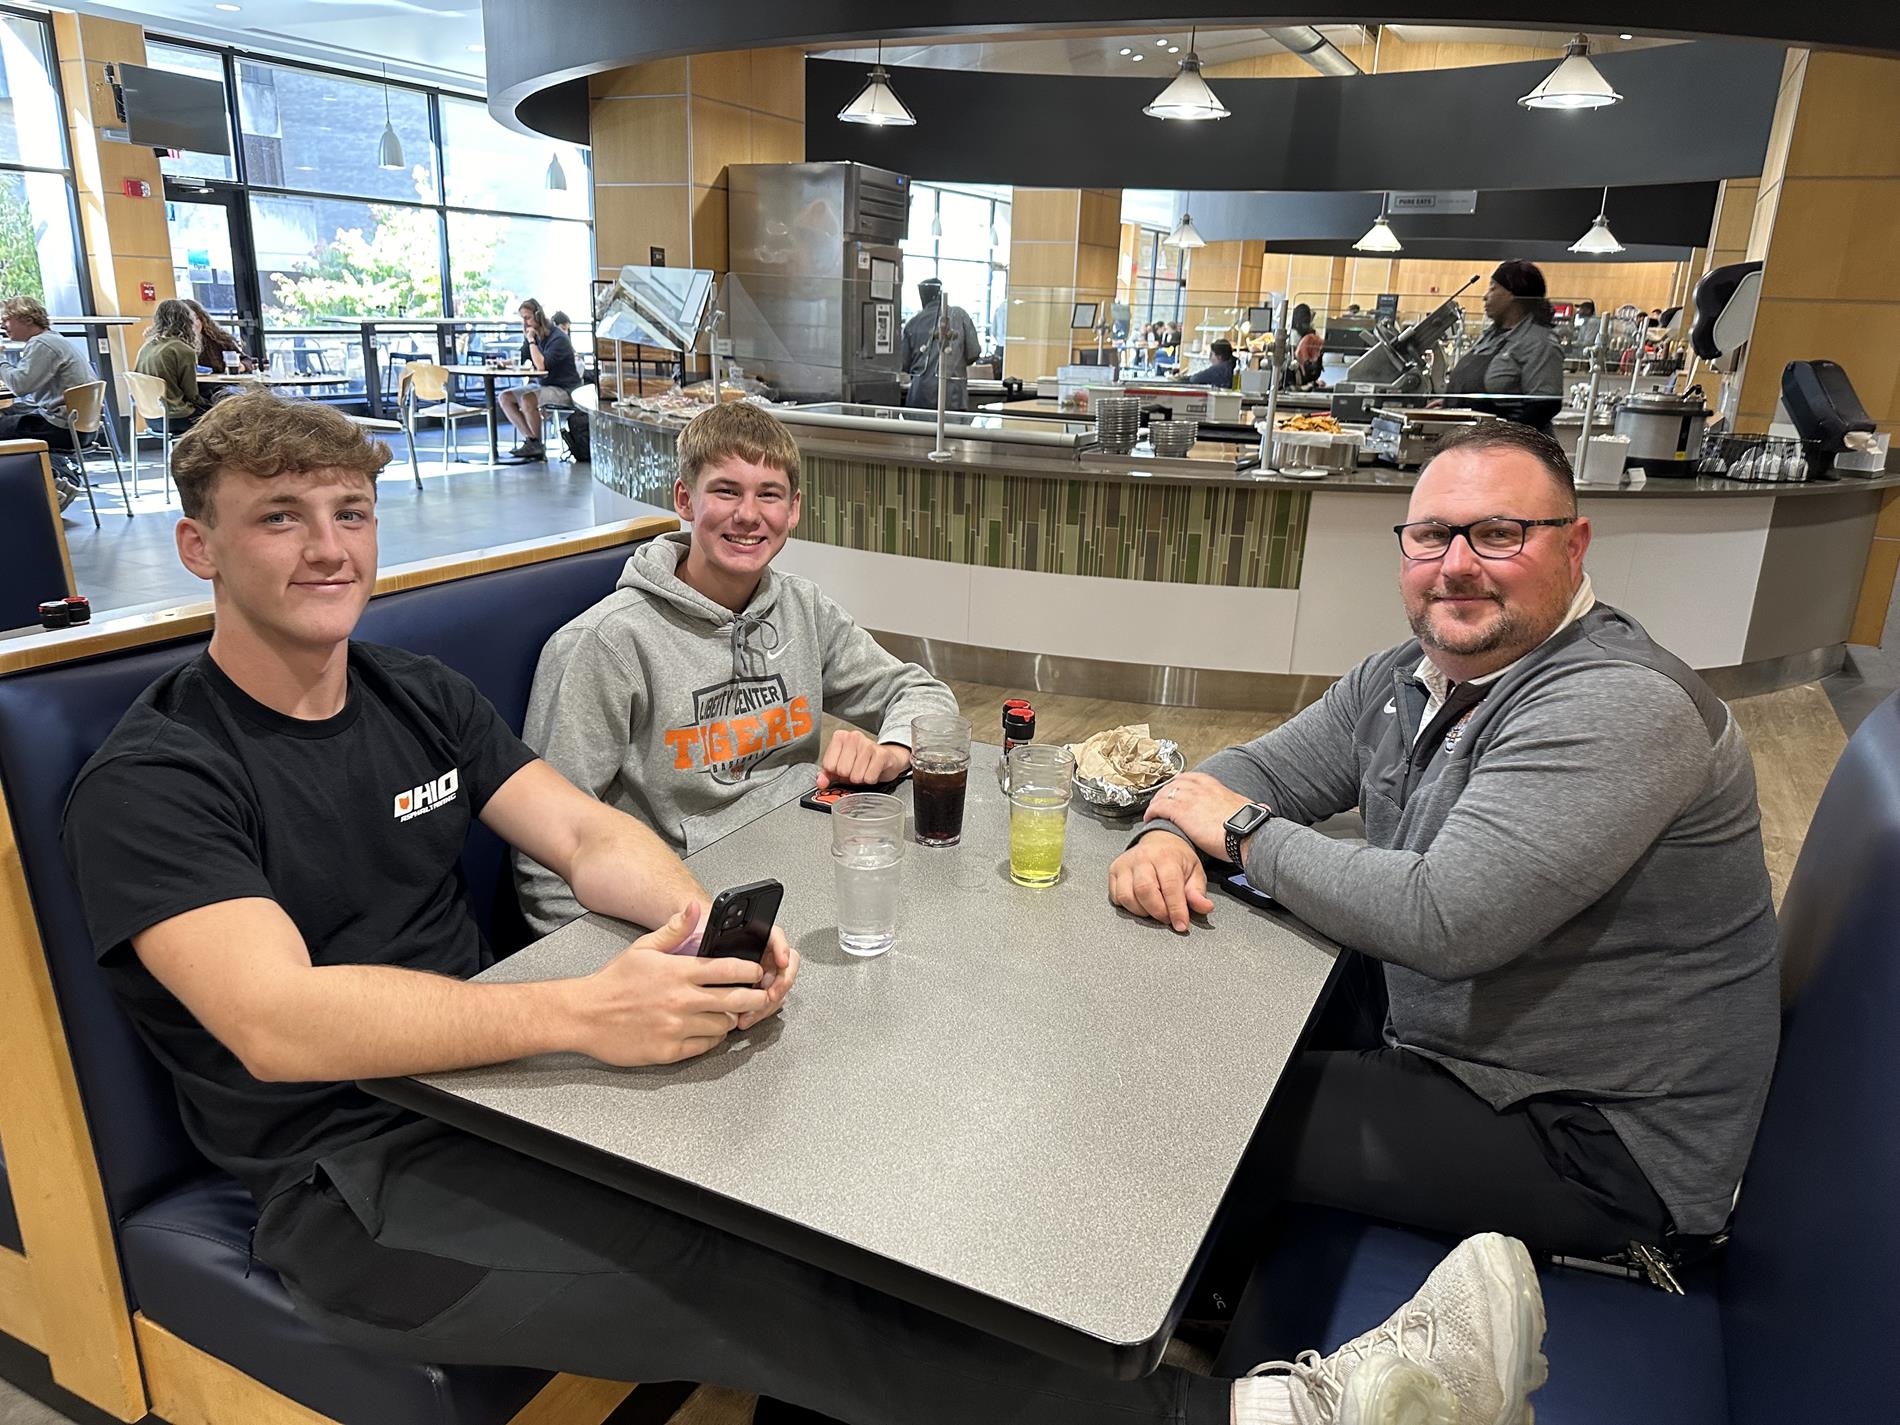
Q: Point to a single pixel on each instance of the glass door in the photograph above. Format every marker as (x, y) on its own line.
(211, 257)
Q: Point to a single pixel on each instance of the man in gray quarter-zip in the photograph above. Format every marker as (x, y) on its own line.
(1562, 879)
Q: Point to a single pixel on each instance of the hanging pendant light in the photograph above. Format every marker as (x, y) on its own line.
(877, 103)
(936, 221)
(1574, 84)
(557, 175)
(391, 156)
(1599, 239)
(1184, 234)
(1188, 98)
(1380, 237)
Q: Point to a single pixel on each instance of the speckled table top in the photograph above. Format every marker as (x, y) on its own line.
(1033, 1099)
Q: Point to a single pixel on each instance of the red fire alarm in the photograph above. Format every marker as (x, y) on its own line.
(148, 291)
(137, 188)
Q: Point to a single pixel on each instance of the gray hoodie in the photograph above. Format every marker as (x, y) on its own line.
(697, 720)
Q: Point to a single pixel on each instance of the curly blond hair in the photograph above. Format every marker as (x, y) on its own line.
(29, 307)
(262, 435)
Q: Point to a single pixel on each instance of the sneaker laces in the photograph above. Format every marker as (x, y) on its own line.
(1325, 1376)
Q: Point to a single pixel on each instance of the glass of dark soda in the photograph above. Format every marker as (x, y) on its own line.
(940, 774)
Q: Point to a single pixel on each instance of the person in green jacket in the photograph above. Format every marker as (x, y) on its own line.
(171, 354)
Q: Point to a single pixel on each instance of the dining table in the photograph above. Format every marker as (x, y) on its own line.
(1027, 1115)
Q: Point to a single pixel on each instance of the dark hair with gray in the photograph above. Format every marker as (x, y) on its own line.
(1509, 435)
(173, 320)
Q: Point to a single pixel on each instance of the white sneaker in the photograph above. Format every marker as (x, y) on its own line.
(1463, 1351)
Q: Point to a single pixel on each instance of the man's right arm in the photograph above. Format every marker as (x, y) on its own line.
(241, 967)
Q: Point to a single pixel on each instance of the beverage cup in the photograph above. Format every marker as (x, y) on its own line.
(940, 775)
(867, 861)
(1041, 780)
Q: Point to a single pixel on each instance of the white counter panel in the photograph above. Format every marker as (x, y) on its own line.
(1349, 582)
(1685, 569)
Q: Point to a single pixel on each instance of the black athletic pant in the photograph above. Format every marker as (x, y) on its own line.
(432, 1245)
(1390, 1134)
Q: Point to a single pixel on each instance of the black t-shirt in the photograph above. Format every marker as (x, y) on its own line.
(353, 824)
(558, 352)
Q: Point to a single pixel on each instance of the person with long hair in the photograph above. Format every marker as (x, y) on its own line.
(1519, 354)
(544, 347)
(214, 340)
(170, 353)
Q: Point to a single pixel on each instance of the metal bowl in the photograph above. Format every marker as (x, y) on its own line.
(1128, 800)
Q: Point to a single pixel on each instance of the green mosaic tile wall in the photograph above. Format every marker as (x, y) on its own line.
(1226, 535)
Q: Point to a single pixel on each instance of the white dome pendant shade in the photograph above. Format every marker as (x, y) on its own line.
(1184, 234)
(1380, 237)
(390, 154)
(1599, 239)
(1574, 84)
(877, 103)
(1187, 99)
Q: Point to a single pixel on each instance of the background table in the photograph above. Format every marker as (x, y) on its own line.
(1023, 1116)
(265, 378)
(489, 375)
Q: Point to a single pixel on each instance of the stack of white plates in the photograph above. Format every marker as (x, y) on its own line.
(1172, 437)
(1117, 423)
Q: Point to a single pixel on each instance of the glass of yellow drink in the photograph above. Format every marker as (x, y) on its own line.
(1041, 781)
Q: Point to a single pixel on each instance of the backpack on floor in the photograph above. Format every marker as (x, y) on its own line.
(580, 443)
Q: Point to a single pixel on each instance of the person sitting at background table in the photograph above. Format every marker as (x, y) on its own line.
(689, 696)
(214, 341)
(1562, 881)
(38, 375)
(1220, 371)
(270, 973)
(1309, 351)
(544, 347)
(170, 352)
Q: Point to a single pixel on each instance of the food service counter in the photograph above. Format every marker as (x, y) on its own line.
(1031, 557)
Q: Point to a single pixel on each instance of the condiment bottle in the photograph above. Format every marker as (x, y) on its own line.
(1019, 723)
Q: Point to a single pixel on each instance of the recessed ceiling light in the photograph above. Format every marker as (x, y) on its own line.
(1174, 49)
(1626, 37)
(228, 9)
(1138, 58)
(1126, 50)
(478, 49)
(1159, 43)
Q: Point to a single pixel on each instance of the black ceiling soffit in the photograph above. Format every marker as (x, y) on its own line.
(1669, 218)
(532, 45)
(1691, 113)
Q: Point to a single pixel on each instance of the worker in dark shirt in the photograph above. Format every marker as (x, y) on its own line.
(1220, 371)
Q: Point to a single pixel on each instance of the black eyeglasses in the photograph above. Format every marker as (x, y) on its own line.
(1499, 537)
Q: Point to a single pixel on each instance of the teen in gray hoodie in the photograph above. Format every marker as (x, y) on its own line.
(690, 696)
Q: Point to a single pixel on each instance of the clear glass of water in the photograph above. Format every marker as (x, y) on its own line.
(867, 860)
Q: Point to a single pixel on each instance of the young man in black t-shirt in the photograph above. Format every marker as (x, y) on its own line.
(268, 845)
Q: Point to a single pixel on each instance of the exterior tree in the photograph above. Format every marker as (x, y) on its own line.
(393, 271)
(19, 251)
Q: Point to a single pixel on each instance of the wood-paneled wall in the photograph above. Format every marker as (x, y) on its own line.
(126, 240)
(1064, 247)
(1824, 225)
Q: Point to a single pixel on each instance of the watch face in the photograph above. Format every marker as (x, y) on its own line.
(1247, 818)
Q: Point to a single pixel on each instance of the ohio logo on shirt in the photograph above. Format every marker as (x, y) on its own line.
(734, 725)
(420, 801)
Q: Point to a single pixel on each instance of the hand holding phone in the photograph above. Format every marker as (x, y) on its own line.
(739, 925)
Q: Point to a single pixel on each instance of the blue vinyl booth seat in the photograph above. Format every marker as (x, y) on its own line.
(1798, 1322)
(184, 1228)
(37, 566)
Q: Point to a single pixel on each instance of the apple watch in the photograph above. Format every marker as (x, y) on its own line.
(1243, 824)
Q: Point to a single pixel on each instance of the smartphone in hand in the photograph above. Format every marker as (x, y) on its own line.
(740, 922)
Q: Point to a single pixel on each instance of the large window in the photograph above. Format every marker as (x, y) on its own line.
(38, 250)
(304, 128)
(1157, 290)
(488, 166)
(319, 258)
(960, 235)
(498, 262)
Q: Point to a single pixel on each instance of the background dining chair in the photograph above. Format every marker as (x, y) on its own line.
(423, 392)
(146, 397)
(85, 411)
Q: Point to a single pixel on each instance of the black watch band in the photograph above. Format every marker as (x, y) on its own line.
(1243, 824)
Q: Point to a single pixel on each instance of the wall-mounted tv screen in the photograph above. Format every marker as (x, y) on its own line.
(181, 111)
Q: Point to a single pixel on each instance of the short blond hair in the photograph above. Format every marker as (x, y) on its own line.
(29, 307)
(736, 430)
(262, 435)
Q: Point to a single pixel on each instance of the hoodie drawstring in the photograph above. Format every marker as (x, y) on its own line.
(753, 636)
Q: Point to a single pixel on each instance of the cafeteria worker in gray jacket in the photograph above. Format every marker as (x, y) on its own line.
(1518, 354)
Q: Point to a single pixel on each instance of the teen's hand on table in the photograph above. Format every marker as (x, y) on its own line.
(781, 970)
(1200, 806)
(1160, 877)
(854, 760)
(647, 1006)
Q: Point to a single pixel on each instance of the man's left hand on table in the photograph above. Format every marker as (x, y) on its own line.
(1200, 806)
(854, 760)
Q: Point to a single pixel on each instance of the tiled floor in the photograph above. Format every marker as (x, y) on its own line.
(1795, 735)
